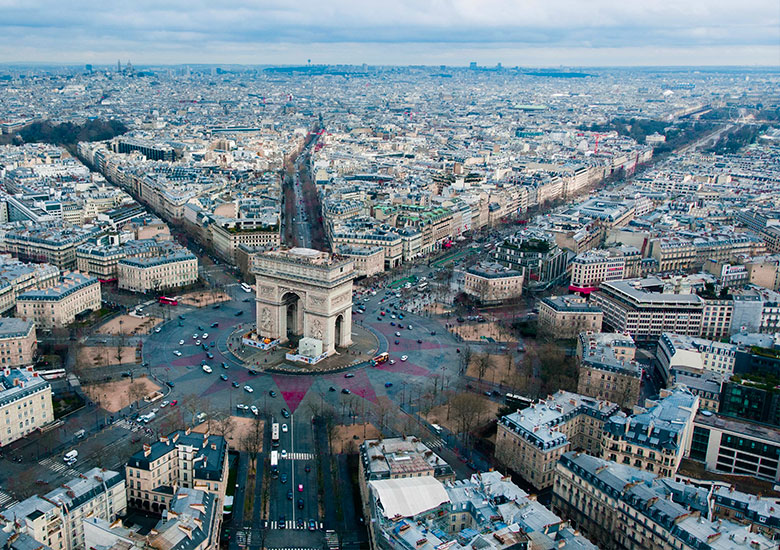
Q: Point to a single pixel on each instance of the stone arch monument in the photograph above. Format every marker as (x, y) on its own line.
(303, 292)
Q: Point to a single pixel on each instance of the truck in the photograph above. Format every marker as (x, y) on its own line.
(71, 456)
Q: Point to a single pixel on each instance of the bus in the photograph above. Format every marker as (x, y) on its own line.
(52, 374)
(275, 434)
(517, 401)
(246, 288)
(166, 301)
(422, 286)
(274, 464)
(379, 359)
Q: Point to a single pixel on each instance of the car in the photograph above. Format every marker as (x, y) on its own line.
(392, 361)
(349, 375)
(177, 353)
(284, 428)
(282, 523)
(388, 384)
(254, 410)
(404, 357)
(209, 355)
(223, 377)
(246, 300)
(345, 391)
(205, 335)
(181, 342)
(127, 374)
(224, 365)
(378, 318)
(214, 325)
(487, 393)
(197, 342)
(409, 327)
(289, 495)
(392, 316)
(285, 413)
(164, 404)
(217, 306)
(397, 342)
(312, 525)
(398, 334)
(194, 336)
(170, 384)
(392, 323)
(157, 329)
(174, 402)
(382, 313)
(181, 317)
(299, 523)
(241, 407)
(234, 384)
(272, 393)
(400, 316)
(457, 350)
(283, 453)
(248, 389)
(331, 388)
(433, 333)
(300, 505)
(307, 468)
(207, 369)
(252, 372)
(155, 410)
(239, 313)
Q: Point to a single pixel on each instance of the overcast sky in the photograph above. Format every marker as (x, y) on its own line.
(455, 32)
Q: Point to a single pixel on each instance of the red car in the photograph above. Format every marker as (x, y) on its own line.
(173, 403)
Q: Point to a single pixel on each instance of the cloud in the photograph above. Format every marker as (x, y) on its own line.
(173, 31)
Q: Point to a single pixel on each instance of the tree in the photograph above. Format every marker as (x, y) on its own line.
(465, 355)
(482, 362)
(136, 391)
(466, 411)
(252, 441)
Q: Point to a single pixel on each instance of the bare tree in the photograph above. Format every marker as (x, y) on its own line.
(465, 354)
(466, 411)
(482, 362)
(252, 441)
(136, 391)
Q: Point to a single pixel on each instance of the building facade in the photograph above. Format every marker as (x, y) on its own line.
(58, 305)
(25, 403)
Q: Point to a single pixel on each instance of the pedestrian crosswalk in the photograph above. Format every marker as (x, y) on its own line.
(435, 443)
(6, 500)
(126, 424)
(299, 456)
(58, 467)
(290, 524)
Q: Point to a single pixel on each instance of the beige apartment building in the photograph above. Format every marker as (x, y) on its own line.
(25, 403)
(58, 305)
(567, 316)
(182, 459)
(673, 254)
(530, 441)
(492, 283)
(174, 270)
(18, 342)
(226, 240)
(368, 260)
(607, 369)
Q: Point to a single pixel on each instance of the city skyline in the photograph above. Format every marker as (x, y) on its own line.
(600, 33)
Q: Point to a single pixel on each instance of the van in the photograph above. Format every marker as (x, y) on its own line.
(80, 434)
(436, 428)
(200, 417)
(71, 456)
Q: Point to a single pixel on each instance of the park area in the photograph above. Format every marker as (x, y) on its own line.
(203, 298)
(102, 356)
(344, 441)
(482, 331)
(237, 430)
(129, 324)
(464, 413)
(114, 396)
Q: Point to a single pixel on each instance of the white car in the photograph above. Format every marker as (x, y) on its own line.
(205, 335)
(392, 316)
(254, 410)
(284, 428)
(248, 389)
(194, 336)
(398, 334)
(392, 361)
(197, 342)
(157, 329)
(155, 410)
(207, 369)
(404, 358)
(177, 353)
(241, 407)
(409, 327)
(164, 404)
(283, 454)
(181, 342)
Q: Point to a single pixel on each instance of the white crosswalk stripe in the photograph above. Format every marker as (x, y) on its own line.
(6, 500)
(124, 423)
(299, 456)
(58, 467)
(290, 524)
(435, 443)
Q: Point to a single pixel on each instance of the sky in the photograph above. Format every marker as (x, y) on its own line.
(526, 33)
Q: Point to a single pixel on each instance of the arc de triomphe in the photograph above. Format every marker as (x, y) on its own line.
(304, 292)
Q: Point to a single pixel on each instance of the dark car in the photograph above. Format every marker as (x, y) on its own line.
(238, 313)
(285, 413)
(209, 355)
(345, 391)
(170, 384)
(300, 504)
(307, 468)
(419, 341)
(283, 478)
(272, 393)
(281, 523)
(127, 374)
(223, 377)
(200, 328)
(299, 523)
(397, 342)
(331, 388)
(312, 525)
(388, 384)
(289, 495)
(235, 384)
(181, 317)
(433, 333)
(378, 318)
(252, 371)
(224, 365)
(349, 375)
(247, 300)
(213, 325)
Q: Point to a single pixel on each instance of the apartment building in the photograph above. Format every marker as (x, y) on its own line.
(369, 260)
(25, 403)
(607, 369)
(57, 518)
(567, 316)
(590, 269)
(367, 232)
(536, 253)
(622, 508)
(530, 441)
(175, 270)
(716, 320)
(181, 459)
(492, 283)
(761, 514)
(655, 438)
(52, 245)
(688, 354)
(18, 342)
(60, 305)
(16, 277)
(728, 445)
(226, 238)
(645, 310)
(673, 253)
